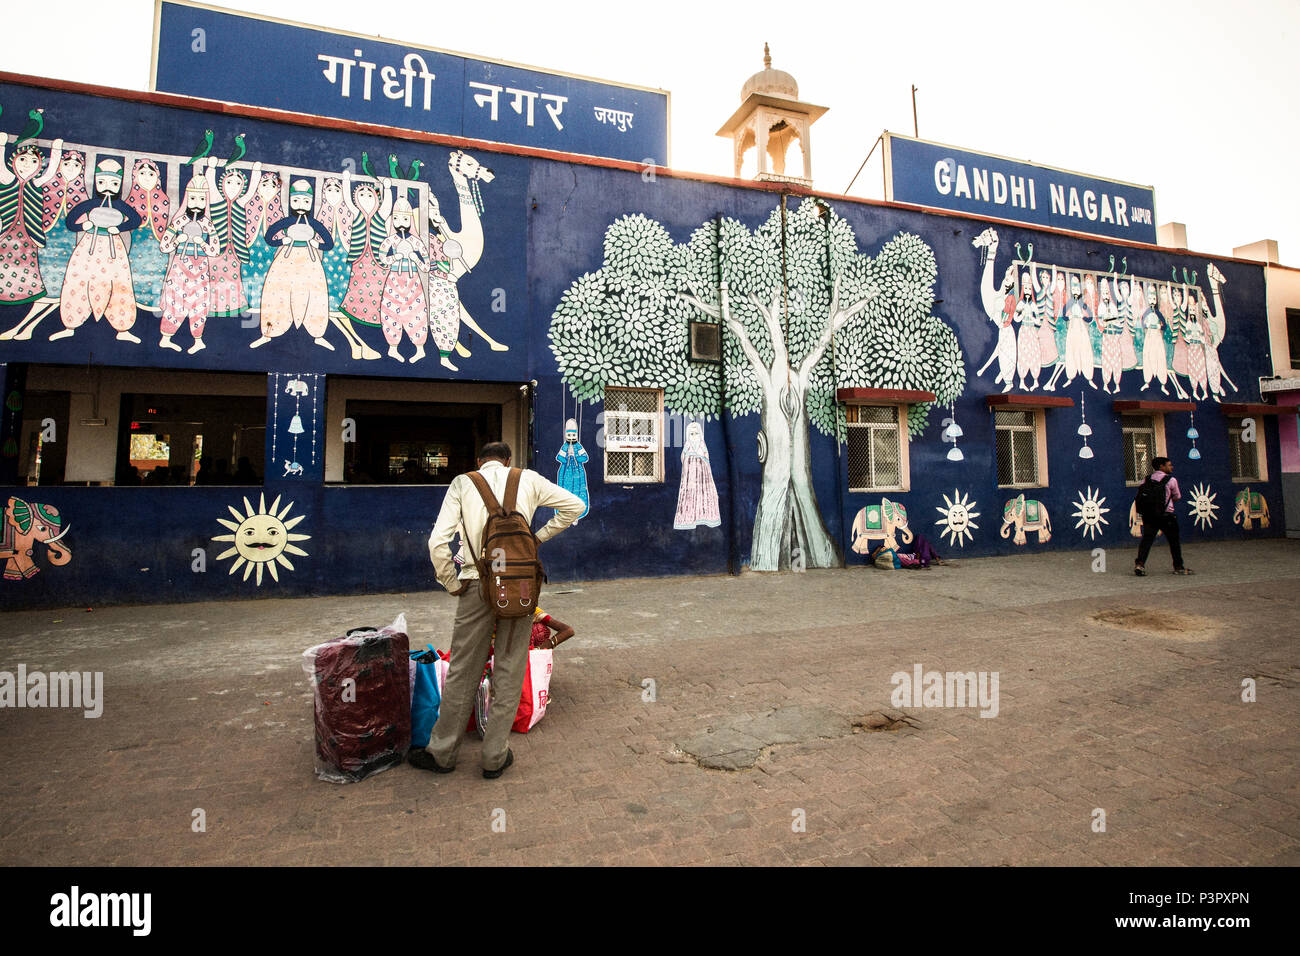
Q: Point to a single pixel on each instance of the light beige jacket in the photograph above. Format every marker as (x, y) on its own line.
(463, 510)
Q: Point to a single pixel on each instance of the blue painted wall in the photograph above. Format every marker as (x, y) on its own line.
(544, 223)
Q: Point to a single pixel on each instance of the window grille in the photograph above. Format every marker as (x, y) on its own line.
(633, 435)
(874, 448)
(1017, 447)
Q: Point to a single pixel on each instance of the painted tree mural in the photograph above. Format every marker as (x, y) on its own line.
(801, 317)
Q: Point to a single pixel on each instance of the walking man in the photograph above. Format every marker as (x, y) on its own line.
(1155, 506)
(471, 637)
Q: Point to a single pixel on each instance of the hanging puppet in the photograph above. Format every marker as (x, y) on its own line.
(572, 476)
(697, 500)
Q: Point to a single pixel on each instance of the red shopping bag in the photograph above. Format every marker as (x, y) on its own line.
(536, 692)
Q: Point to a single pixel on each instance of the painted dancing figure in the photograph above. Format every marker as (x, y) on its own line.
(263, 209)
(22, 228)
(98, 280)
(1116, 343)
(1155, 362)
(1029, 352)
(365, 292)
(338, 215)
(228, 214)
(403, 307)
(191, 241)
(296, 293)
(148, 263)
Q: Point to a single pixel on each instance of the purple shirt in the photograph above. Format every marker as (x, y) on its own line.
(1171, 489)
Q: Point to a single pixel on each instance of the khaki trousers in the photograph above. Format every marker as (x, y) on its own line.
(471, 644)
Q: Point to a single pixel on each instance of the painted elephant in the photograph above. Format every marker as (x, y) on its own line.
(880, 522)
(25, 526)
(1025, 516)
(1250, 506)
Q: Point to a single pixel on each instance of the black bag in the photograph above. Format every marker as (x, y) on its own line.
(1151, 499)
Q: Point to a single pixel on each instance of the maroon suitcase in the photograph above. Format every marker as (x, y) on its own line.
(363, 727)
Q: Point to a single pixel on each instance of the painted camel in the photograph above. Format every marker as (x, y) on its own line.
(453, 254)
(995, 307)
(880, 522)
(1025, 516)
(25, 526)
(1250, 506)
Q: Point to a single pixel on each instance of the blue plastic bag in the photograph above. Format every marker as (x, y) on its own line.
(424, 696)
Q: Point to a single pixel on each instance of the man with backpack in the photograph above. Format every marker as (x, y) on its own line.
(496, 593)
(1155, 506)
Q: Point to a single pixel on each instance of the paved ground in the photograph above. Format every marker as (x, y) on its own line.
(1115, 693)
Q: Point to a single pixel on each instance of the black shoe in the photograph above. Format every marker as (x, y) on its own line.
(493, 774)
(419, 757)
(1140, 572)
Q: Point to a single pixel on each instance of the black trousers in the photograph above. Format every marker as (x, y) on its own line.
(1168, 523)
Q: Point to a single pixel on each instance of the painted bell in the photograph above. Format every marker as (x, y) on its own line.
(1085, 452)
(952, 432)
(295, 425)
(1085, 429)
(1192, 433)
(954, 454)
(1194, 454)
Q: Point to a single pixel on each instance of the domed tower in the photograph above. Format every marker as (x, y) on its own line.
(771, 117)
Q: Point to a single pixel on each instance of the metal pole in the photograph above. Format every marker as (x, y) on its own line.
(915, 129)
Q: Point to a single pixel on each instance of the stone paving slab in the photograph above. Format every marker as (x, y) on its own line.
(1116, 693)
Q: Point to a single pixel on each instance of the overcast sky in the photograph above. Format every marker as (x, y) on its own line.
(1197, 98)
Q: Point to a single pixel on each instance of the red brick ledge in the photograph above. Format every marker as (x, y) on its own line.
(899, 396)
(1028, 401)
(1142, 405)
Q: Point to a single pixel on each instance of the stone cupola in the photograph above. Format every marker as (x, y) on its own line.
(771, 117)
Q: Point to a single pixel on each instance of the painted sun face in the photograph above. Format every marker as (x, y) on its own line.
(1202, 507)
(260, 539)
(958, 518)
(1090, 510)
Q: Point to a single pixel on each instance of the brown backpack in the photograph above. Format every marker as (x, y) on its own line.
(509, 571)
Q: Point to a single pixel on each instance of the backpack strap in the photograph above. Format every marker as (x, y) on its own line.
(512, 489)
(485, 492)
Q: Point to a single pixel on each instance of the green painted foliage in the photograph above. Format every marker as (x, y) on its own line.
(627, 324)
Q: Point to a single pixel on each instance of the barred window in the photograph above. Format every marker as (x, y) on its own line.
(1243, 455)
(1017, 441)
(1139, 446)
(875, 443)
(634, 434)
